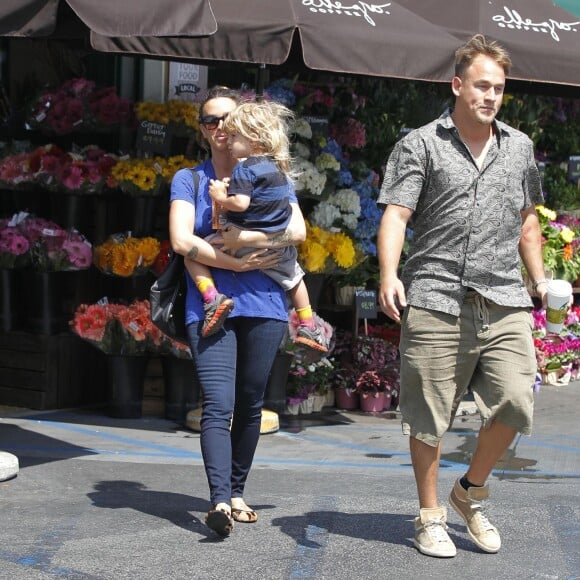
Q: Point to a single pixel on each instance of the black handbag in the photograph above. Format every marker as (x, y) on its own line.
(167, 300)
(167, 295)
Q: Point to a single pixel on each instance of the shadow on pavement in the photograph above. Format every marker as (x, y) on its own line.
(34, 449)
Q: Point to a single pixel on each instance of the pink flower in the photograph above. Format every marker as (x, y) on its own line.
(72, 177)
(80, 253)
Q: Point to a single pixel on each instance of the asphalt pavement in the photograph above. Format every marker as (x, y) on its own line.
(103, 498)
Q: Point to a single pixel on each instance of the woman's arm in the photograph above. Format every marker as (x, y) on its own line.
(233, 238)
(186, 243)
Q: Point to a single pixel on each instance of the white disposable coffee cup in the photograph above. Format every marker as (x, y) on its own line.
(559, 292)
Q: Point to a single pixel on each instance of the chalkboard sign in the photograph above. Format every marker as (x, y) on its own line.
(574, 169)
(154, 138)
(319, 125)
(365, 302)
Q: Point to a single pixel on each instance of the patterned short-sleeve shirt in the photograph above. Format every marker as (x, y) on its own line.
(466, 222)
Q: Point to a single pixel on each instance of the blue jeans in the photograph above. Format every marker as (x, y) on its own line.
(233, 367)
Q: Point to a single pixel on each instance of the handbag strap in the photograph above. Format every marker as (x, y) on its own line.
(195, 177)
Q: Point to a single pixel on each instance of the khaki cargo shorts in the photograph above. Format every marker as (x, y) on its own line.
(489, 348)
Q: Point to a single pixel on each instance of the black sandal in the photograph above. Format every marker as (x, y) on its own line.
(220, 521)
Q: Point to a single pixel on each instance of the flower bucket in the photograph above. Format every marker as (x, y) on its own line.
(48, 299)
(9, 298)
(388, 398)
(181, 387)
(140, 214)
(126, 385)
(346, 399)
(344, 296)
(330, 398)
(373, 403)
(306, 406)
(318, 402)
(314, 284)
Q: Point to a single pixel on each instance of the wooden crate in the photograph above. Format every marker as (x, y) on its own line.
(50, 372)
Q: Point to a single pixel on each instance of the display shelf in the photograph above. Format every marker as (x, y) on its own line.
(50, 372)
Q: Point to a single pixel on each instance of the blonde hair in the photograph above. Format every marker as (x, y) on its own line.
(266, 125)
(478, 44)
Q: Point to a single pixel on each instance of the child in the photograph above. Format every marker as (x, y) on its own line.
(257, 197)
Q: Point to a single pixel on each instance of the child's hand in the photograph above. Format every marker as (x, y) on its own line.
(218, 190)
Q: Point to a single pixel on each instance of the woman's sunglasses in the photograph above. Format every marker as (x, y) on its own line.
(211, 122)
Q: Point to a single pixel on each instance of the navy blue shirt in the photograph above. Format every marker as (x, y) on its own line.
(269, 191)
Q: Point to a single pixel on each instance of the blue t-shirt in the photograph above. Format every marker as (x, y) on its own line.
(254, 293)
(269, 191)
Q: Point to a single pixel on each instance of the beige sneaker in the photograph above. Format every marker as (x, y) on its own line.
(431, 536)
(468, 505)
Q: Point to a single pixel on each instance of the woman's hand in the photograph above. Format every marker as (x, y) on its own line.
(229, 239)
(258, 260)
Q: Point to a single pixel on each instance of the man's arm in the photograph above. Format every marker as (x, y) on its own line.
(390, 242)
(530, 249)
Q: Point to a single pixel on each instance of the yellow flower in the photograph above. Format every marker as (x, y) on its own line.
(547, 213)
(567, 234)
(325, 251)
(343, 251)
(123, 256)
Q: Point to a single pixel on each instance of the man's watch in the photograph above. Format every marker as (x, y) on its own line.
(536, 283)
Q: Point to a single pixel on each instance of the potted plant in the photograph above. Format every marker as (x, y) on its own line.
(558, 357)
(373, 387)
(560, 255)
(309, 375)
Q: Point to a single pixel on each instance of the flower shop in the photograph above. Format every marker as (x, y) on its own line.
(84, 180)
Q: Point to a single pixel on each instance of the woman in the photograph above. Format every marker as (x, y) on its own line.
(232, 365)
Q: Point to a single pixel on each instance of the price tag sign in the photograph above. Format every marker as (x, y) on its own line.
(319, 125)
(574, 169)
(365, 303)
(153, 138)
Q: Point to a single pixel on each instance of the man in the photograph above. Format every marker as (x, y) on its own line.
(469, 183)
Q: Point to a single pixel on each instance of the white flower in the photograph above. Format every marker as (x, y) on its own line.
(308, 177)
(327, 161)
(350, 221)
(302, 128)
(324, 215)
(301, 150)
(348, 201)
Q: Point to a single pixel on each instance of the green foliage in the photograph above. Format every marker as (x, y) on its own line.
(559, 193)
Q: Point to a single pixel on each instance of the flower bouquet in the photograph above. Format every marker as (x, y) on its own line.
(150, 176)
(14, 246)
(325, 251)
(124, 255)
(85, 171)
(120, 329)
(41, 243)
(183, 115)
(117, 328)
(78, 105)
